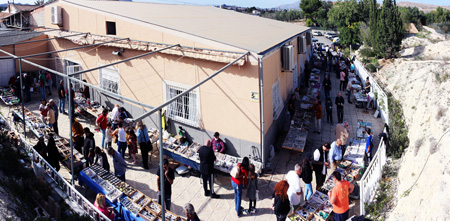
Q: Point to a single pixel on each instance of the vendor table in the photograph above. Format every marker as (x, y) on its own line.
(130, 203)
(39, 129)
(123, 211)
(188, 155)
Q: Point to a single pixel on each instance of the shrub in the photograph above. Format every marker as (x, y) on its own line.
(309, 22)
(399, 140)
(371, 67)
(367, 52)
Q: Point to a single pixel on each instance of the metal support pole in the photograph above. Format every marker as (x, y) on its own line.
(47, 39)
(21, 99)
(261, 108)
(69, 89)
(161, 170)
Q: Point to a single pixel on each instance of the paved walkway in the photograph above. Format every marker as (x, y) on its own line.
(189, 189)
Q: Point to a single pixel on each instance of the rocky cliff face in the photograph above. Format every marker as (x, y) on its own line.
(420, 80)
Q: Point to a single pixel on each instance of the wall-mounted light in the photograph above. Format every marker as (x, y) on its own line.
(118, 53)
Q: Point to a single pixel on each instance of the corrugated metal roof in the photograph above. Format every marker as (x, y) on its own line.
(248, 32)
(10, 37)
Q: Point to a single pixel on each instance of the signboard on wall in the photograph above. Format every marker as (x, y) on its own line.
(276, 99)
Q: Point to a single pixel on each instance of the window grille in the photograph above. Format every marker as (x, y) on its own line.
(184, 109)
(109, 79)
(73, 68)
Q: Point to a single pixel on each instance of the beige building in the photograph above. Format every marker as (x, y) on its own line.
(209, 38)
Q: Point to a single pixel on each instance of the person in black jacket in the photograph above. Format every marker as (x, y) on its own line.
(53, 154)
(320, 164)
(88, 147)
(41, 148)
(100, 155)
(207, 158)
(280, 203)
(339, 101)
(307, 177)
(327, 86)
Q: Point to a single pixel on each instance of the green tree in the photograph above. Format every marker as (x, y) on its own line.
(373, 20)
(310, 7)
(344, 13)
(389, 32)
(322, 15)
(349, 35)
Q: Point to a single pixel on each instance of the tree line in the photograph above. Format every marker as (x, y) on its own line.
(365, 21)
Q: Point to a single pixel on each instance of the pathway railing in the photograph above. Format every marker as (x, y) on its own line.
(381, 97)
(372, 176)
(80, 203)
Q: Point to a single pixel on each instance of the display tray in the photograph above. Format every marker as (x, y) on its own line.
(156, 208)
(148, 214)
(300, 215)
(171, 216)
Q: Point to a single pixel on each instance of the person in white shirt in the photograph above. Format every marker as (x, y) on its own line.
(115, 119)
(295, 192)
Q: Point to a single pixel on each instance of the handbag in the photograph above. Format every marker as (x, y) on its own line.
(115, 139)
(235, 172)
(149, 146)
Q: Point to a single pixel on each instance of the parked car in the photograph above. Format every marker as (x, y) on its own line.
(327, 34)
(315, 40)
(334, 35)
(317, 33)
(336, 39)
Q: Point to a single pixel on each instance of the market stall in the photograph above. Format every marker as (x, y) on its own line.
(83, 105)
(318, 207)
(40, 129)
(187, 154)
(131, 204)
(8, 96)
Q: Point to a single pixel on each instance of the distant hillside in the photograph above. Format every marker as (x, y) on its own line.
(295, 5)
(422, 7)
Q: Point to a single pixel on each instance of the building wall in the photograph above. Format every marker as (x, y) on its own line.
(37, 17)
(28, 49)
(225, 101)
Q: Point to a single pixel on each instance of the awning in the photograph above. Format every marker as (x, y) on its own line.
(204, 54)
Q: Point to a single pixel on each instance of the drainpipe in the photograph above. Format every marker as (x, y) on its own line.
(261, 108)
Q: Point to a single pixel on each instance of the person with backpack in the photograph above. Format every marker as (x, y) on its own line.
(239, 178)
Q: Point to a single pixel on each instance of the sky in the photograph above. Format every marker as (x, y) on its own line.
(245, 3)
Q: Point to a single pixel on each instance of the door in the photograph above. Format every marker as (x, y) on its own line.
(6, 71)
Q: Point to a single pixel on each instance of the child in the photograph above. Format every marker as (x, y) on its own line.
(252, 188)
(108, 134)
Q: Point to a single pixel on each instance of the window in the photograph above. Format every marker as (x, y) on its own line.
(109, 79)
(72, 67)
(276, 99)
(184, 109)
(110, 28)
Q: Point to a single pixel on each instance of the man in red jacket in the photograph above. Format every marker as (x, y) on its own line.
(102, 121)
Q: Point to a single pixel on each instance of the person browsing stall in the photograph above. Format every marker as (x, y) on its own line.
(120, 167)
(338, 197)
(321, 163)
(169, 176)
(335, 155)
(207, 159)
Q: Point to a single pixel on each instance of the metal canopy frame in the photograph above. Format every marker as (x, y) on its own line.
(47, 39)
(128, 59)
(75, 48)
(189, 90)
(23, 33)
(152, 111)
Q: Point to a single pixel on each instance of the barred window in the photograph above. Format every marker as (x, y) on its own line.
(184, 109)
(109, 79)
(277, 102)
